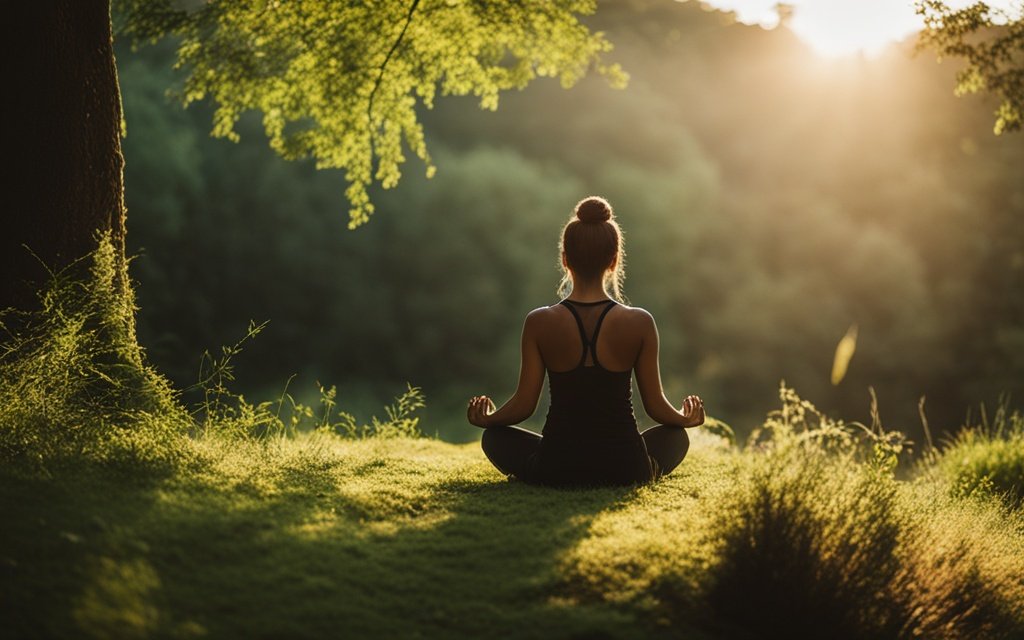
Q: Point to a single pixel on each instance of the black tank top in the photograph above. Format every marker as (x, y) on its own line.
(590, 435)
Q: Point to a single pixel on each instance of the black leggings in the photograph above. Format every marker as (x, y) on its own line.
(510, 448)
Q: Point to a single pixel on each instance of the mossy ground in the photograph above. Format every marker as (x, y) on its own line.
(319, 537)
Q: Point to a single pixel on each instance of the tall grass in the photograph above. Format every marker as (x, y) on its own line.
(75, 385)
(807, 548)
(984, 458)
(962, 566)
(808, 532)
(73, 381)
(820, 539)
(222, 412)
(806, 545)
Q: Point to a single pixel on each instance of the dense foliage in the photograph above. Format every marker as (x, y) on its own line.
(342, 82)
(991, 42)
(769, 200)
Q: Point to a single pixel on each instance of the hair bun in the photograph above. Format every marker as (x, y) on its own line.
(593, 209)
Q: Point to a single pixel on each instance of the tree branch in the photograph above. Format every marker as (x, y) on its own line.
(394, 47)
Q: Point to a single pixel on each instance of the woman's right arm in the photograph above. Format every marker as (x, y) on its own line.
(481, 411)
(648, 380)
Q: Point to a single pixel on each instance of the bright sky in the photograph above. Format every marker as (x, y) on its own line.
(841, 27)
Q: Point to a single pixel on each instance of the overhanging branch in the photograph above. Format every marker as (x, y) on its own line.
(394, 47)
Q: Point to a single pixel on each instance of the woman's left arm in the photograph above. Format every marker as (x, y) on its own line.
(523, 403)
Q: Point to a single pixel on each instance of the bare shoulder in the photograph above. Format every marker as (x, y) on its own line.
(539, 317)
(637, 322)
(539, 314)
(637, 316)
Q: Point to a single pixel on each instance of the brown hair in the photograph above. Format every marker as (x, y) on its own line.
(592, 242)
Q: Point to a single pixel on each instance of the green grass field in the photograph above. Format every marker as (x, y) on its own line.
(403, 537)
(326, 538)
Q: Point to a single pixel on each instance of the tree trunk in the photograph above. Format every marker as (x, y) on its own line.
(62, 137)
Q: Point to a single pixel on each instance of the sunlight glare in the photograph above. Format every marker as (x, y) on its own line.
(839, 28)
(835, 28)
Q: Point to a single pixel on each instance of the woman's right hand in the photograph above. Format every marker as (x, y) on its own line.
(480, 407)
(693, 411)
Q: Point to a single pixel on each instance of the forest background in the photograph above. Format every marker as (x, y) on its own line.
(771, 199)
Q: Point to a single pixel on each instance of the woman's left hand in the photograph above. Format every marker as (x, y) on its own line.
(479, 409)
(693, 411)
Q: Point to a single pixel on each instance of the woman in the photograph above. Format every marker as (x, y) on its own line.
(590, 346)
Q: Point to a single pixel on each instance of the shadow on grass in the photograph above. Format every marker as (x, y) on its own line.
(98, 556)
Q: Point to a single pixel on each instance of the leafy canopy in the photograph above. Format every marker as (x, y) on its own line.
(991, 42)
(341, 82)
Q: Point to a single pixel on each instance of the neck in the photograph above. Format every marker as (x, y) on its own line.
(588, 291)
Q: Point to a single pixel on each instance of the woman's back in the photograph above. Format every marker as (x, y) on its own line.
(590, 433)
(618, 341)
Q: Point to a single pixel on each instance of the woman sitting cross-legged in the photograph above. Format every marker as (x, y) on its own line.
(590, 346)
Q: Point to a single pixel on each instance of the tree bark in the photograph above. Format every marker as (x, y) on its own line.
(62, 138)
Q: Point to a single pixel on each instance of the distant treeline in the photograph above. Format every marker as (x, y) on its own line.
(770, 200)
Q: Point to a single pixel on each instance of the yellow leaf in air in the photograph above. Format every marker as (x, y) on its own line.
(844, 351)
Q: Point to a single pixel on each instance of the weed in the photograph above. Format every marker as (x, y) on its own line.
(73, 381)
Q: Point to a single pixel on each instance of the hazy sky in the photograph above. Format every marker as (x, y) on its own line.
(838, 27)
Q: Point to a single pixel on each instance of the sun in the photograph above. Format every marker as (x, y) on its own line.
(838, 28)
(834, 28)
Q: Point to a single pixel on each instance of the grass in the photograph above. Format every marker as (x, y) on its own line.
(319, 536)
(987, 458)
(310, 537)
(127, 515)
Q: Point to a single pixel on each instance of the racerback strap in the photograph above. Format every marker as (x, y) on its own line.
(589, 346)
